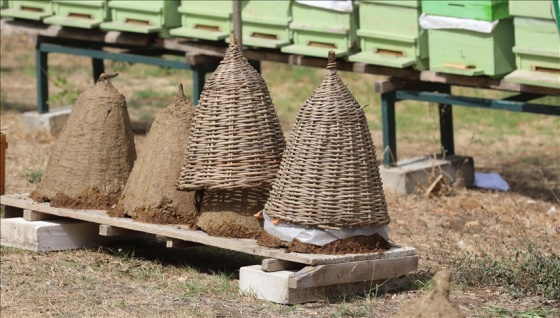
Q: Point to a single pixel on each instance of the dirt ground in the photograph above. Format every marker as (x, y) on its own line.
(143, 279)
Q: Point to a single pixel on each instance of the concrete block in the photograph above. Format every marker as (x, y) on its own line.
(44, 236)
(417, 174)
(273, 286)
(52, 122)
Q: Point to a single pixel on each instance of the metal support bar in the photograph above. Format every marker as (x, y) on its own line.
(256, 64)
(446, 124)
(237, 23)
(42, 69)
(523, 97)
(199, 74)
(479, 102)
(97, 65)
(389, 129)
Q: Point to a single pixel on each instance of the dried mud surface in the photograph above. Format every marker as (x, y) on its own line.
(351, 245)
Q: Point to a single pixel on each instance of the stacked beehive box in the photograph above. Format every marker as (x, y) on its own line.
(27, 9)
(537, 44)
(79, 14)
(472, 37)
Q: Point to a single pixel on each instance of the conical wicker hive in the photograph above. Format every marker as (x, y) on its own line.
(236, 141)
(329, 175)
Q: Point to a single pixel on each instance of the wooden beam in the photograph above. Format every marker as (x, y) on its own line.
(30, 215)
(175, 243)
(12, 212)
(275, 265)
(108, 230)
(392, 84)
(197, 59)
(323, 275)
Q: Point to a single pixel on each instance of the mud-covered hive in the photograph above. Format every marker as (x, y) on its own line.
(94, 153)
(236, 141)
(150, 194)
(329, 177)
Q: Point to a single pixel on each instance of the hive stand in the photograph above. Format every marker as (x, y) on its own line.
(286, 278)
(27, 9)
(79, 14)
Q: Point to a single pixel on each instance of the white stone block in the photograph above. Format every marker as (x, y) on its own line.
(52, 122)
(44, 236)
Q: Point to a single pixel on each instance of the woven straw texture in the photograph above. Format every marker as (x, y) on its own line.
(329, 176)
(236, 140)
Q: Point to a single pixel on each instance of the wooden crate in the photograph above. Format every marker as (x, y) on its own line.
(154, 16)
(390, 35)
(316, 31)
(473, 53)
(27, 9)
(486, 10)
(203, 19)
(79, 14)
(265, 23)
(531, 8)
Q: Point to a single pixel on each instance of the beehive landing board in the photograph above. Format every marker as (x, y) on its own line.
(249, 246)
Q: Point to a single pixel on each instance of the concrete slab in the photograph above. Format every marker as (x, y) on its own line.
(273, 286)
(416, 174)
(52, 122)
(45, 236)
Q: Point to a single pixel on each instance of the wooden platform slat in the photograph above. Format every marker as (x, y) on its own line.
(248, 246)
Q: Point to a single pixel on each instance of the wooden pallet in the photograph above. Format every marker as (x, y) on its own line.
(313, 273)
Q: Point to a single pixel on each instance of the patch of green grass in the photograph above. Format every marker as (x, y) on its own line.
(541, 312)
(34, 176)
(150, 97)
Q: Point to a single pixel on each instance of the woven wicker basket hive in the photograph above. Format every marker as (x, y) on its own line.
(236, 141)
(329, 175)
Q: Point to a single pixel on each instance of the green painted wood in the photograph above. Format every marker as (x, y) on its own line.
(3, 4)
(28, 9)
(315, 31)
(531, 8)
(473, 53)
(79, 14)
(265, 23)
(403, 3)
(205, 19)
(486, 10)
(391, 36)
(153, 16)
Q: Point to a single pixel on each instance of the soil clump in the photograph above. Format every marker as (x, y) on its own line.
(434, 304)
(351, 245)
(150, 195)
(94, 154)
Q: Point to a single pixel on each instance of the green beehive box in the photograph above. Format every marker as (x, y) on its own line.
(537, 52)
(79, 14)
(205, 19)
(390, 35)
(265, 23)
(3, 4)
(315, 31)
(472, 53)
(531, 8)
(486, 10)
(150, 16)
(27, 9)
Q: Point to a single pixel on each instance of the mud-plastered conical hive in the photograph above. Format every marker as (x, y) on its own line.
(329, 177)
(235, 148)
(150, 195)
(94, 153)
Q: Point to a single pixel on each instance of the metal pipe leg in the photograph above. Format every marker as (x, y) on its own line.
(42, 71)
(199, 74)
(389, 129)
(256, 64)
(446, 125)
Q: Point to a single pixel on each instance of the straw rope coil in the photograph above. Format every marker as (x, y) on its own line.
(329, 175)
(236, 140)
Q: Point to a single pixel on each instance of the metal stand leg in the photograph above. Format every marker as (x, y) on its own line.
(256, 64)
(98, 68)
(446, 125)
(389, 129)
(199, 74)
(42, 71)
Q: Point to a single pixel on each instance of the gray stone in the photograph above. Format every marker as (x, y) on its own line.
(52, 122)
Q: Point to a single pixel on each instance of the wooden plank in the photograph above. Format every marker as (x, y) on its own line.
(197, 59)
(108, 230)
(324, 275)
(274, 265)
(392, 84)
(12, 212)
(248, 246)
(30, 215)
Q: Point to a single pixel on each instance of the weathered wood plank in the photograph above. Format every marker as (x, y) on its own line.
(323, 275)
(274, 265)
(108, 230)
(248, 246)
(30, 215)
(392, 84)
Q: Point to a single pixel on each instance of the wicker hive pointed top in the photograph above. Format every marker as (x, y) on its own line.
(236, 140)
(329, 176)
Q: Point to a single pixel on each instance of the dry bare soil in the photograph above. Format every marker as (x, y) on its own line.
(502, 247)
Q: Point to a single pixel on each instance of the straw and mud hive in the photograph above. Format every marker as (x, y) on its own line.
(94, 154)
(150, 194)
(329, 176)
(235, 148)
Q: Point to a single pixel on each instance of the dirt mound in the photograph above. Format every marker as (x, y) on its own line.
(230, 213)
(267, 240)
(150, 195)
(352, 245)
(435, 303)
(94, 154)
